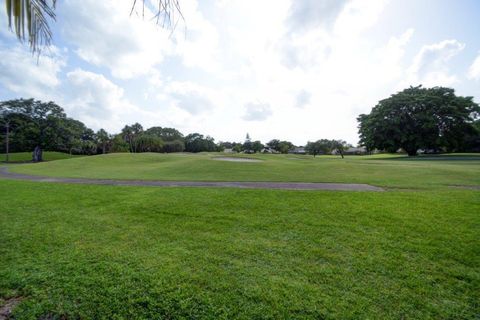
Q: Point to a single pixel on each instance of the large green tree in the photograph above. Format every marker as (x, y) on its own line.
(131, 134)
(41, 122)
(419, 118)
(166, 134)
(196, 142)
(36, 125)
(103, 140)
(280, 146)
(149, 143)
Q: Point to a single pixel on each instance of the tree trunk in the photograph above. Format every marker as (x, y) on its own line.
(37, 154)
(341, 153)
(411, 152)
(103, 148)
(7, 142)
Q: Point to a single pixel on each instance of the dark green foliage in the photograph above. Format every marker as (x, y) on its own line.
(44, 126)
(149, 143)
(326, 146)
(174, 146)
(225, 145)
(472, 140)
(119, 144)
(196, 142)
(155, 139)
(280, 146)
(257, 146)
(130, 134)
(433, 119)
(36, 125)
(274, 144)
(104, 141)
(237, 147)
(166, 134)
(173, 140)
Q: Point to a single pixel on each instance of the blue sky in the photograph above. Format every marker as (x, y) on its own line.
(295, 70)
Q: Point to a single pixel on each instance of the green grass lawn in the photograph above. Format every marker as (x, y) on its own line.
(380, 170)
(27, 156)
(91, 252)
(111, 252)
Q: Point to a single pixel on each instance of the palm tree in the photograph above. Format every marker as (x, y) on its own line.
(30, 18)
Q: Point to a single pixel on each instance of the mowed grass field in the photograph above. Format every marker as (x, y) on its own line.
(27, 156)
(381, 170)
(93, 252)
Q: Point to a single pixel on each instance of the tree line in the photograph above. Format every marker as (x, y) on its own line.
(416, 119)
(33, 125)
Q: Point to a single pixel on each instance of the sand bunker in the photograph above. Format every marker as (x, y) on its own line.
(236, 159)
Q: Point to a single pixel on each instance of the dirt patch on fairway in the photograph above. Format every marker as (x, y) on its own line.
(234, 159)
(7, 308)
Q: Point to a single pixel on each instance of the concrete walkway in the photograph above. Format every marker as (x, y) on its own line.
(155, 183)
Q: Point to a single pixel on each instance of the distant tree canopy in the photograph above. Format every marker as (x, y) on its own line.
(166, 134)
(35, 125)
(420, 118)
(326, 146)
(196, 142)
(280, 146)
(32, 125)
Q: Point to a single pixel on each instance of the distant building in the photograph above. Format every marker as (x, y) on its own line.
(297, 150)
(356, 151)
(268, 150)
(228, 150)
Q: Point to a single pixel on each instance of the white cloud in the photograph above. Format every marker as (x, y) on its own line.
(256, 111)
(303, 99)
(197, 43)
(94, 99)
(308, 14)
(357, 16)
(430, 66)
(191, 97)
(29, 75)
(474, 70)
(104, 34)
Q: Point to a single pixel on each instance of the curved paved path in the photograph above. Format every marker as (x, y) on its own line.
(155, 183)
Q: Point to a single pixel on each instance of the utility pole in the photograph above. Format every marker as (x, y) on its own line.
(7, 125)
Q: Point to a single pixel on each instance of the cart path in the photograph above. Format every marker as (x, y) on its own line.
(217, 184)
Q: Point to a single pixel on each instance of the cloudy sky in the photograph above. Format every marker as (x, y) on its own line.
(290, 69)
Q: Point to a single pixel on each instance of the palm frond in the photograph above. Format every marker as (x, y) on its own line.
(31, 17)
(168, 12)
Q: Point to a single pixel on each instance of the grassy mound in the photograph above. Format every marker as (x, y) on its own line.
(380, 170)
